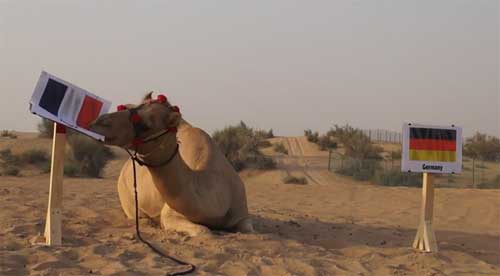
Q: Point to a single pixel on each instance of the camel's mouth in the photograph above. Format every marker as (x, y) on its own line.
(109, 139)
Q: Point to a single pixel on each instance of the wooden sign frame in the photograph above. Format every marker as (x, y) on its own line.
(53, 224)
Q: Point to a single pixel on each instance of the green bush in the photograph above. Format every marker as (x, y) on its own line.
(71, 169)
(34, 156)
(262, 134)
(356, 143)
(325, 142)
(279, 147)
(289, 179)
(261, 162)
(311, 137)
(240, 144)
(89, 155)
(44, 166)
(11, 171)
(397, 178)
(483, 147)
(45, 128)
(8, 158)
(8, 134)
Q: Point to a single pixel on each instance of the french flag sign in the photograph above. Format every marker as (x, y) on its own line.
(67, 104)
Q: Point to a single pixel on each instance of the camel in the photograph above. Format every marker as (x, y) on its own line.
(186, 182)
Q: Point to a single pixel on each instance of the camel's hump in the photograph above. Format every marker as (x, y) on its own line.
(196, 148)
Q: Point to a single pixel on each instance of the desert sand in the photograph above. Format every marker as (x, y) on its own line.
(331, 226)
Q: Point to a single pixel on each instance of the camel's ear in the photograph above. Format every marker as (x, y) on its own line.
(148, 97)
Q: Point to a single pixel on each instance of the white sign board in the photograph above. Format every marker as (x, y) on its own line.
(432, 149)
(67, 104)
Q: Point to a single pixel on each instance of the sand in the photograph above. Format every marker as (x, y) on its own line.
(331, 226)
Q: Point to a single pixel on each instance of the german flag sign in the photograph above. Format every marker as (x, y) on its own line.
(67, 104)
(432, 149)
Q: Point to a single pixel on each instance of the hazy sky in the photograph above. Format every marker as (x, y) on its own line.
(286, 65)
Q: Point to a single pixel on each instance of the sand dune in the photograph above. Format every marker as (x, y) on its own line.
(332, 226)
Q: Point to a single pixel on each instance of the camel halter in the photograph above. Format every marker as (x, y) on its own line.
(140, 127)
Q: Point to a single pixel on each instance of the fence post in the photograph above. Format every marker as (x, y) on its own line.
(473, 172)
(329, 158)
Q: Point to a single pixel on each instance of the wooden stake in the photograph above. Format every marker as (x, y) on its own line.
(425, 239)
(53, 225)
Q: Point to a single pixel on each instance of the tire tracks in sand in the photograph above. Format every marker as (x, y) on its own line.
(297, 161)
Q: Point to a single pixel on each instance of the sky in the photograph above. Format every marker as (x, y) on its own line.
(286, 65)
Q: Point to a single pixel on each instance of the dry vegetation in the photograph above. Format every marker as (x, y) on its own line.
(85, 157)
(240, 144)
(290, 179)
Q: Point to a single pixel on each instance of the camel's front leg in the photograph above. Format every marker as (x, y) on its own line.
(172, 220)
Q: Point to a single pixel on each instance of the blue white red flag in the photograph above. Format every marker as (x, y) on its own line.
(67, 104)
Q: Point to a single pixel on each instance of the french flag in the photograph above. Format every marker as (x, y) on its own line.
(65, 103)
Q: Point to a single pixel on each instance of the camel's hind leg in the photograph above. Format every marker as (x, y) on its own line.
(171, 220)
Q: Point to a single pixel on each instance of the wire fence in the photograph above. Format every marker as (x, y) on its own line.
(387, 171)
(382, 135)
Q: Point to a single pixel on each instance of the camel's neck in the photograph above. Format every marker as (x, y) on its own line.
(172, 179)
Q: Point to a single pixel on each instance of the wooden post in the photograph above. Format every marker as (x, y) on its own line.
(329, 158)
(53, 225)
(473, 172)
(425, 239)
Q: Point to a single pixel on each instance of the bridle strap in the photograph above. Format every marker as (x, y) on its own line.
(149, 165)
(191, 267)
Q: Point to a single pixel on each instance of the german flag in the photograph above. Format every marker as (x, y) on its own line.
(430, 144)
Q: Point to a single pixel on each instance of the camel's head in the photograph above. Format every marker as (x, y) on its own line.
(131, 124)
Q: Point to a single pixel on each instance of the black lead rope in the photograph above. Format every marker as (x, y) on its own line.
(192, 267)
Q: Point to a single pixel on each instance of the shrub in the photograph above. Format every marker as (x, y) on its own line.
(8, 134)
(89, 155)
(71, 169)
(261, 162)
(264, 134)
(397, 178)
(8, 158)
(311, 137)
(356, 143)
(34, 156)
(264, 144)
(279, 147)
(483, 147)
(240, 144)
(44, 166)
(11, 171)
(45, 128)
(325, 142)
(289, 179)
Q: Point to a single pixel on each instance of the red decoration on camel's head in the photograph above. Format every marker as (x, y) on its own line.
(161, 99)
(121, 107)
(135, 118)
(175, 108)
